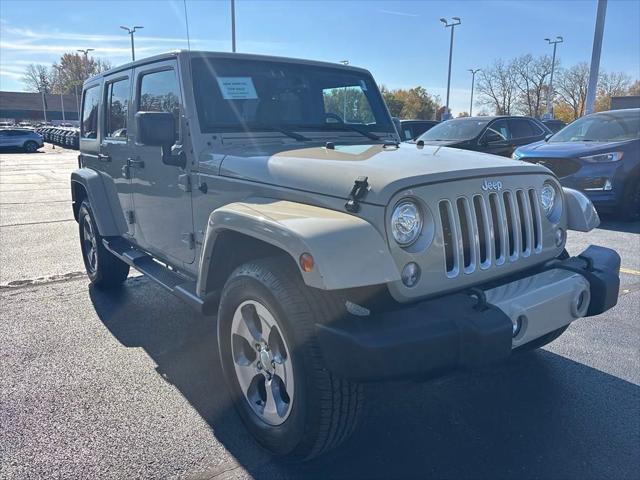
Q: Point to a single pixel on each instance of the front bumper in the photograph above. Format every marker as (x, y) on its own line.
(468, 330)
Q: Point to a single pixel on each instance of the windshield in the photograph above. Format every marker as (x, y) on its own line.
(602, 127)
(234, 94)
(458, 129)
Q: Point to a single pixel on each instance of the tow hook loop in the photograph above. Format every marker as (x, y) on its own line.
(359, 190)
(481, 298)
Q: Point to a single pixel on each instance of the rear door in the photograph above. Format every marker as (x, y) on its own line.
(524, 131)
(116, 142)
(161, 193)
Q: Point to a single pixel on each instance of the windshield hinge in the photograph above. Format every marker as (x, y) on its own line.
(359, 190)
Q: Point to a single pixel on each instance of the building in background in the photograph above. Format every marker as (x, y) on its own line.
(627, 101)
(19, 107)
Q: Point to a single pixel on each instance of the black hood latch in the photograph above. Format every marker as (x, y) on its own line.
(359, 190)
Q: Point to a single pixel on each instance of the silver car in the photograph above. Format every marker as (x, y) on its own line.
(27, 140)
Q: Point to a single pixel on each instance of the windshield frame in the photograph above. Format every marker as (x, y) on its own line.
(205, 71)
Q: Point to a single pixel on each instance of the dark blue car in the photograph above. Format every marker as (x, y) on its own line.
(598, 154)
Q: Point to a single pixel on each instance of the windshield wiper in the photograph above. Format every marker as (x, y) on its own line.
(276, 128)
(352, 128)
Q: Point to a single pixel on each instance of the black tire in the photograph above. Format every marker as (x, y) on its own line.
(631, 204)
(30, 146)
(542, 341)
(107, 271)
(325, 409)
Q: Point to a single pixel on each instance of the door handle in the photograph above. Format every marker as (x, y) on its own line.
(104, 158)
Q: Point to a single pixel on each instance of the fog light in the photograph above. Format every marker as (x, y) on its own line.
(607, 186)
(559, 237)
(517, 325)
(410, 274)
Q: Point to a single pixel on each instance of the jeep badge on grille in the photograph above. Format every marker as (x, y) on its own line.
(491, 185)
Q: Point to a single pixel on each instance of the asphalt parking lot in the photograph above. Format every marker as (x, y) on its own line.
(127, 384)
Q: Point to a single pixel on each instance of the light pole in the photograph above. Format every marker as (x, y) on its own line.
(131, 31)
(555, 43)
(64, 120)
(595, 57)
(452, 25)
(233, 26)
(85, 52)
(473, 80)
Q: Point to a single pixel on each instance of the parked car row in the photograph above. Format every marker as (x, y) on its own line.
(65, 137)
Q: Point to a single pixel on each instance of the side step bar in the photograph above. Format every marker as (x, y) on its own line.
(175, 283)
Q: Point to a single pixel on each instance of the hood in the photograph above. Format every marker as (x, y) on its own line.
(389, 169)
(567, 149)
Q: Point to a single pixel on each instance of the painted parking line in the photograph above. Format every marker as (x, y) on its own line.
(630, 271)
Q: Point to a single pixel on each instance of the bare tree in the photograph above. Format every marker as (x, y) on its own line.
(532, 83)
(612, 84)
(497, 87)
(37, 78)
(572, 88)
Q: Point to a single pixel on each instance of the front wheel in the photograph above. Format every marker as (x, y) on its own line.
(103, 268)
(272, 364)
(30, 146)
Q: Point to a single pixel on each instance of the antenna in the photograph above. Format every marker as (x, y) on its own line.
(186, 22)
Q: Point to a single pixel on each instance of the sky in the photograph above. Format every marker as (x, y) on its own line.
(402, 43)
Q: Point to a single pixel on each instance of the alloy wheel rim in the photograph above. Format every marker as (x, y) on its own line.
(90, 244)
(262, 362)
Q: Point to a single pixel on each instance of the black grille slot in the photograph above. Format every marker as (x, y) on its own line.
(464, 230)
(535, 217)
(520, 199)
(510, 226)
(495, 219)
(447, 235)
(482, 233)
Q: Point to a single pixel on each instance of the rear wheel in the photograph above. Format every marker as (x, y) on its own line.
(272, 364)
(30, 146)
(103, 268)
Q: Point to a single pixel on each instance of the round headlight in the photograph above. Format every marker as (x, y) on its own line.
(548, 198)
(406, 223)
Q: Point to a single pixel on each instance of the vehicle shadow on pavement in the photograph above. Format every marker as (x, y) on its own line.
(610, 223)
(539, 415)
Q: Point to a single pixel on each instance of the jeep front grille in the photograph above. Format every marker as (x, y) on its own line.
(489, 229)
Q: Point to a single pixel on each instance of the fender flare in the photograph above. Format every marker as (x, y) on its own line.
(99, 198)
(348, 251)
(581, 214)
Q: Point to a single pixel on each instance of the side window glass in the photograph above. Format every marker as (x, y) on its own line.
(89, 123)
(537, 130)
(117, 109)
(498, 131)
(521, 128)
(159, 92)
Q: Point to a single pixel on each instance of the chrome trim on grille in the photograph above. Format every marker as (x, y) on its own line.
(486, 230)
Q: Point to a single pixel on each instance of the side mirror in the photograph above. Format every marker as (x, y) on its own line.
(548, 136)
(159, 129)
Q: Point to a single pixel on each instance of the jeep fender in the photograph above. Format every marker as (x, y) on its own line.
(101, 199)
(348, 252)
(581, 214)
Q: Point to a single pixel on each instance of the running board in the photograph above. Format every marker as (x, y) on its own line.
(172, 281)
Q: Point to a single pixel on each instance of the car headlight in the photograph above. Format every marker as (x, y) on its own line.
(551, 201)
(603, 157)
(516, 155)
(406, 223)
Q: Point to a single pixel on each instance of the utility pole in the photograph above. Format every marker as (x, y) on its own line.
(555, 43)
(85, 52)
(595, 57)
(64, 120)
(233, 26)
(131, 31)
(452, 25)
(473, 80)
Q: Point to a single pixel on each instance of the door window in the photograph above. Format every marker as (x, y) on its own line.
(159, 92)
(89, 124)
(117, 109)
(498, 131)
(521, 128)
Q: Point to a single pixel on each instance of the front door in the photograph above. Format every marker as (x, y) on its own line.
(116, 142)
(497, 138)
(161, 193)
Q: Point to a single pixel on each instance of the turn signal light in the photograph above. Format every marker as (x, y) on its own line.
(306, 262)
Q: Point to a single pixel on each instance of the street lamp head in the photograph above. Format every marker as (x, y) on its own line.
(560, 39)
(548, 40)
(138, 27)
(457, 19)
(443, 20)
(124, 28)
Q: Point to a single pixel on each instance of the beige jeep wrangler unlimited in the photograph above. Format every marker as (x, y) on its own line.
(275, 193)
